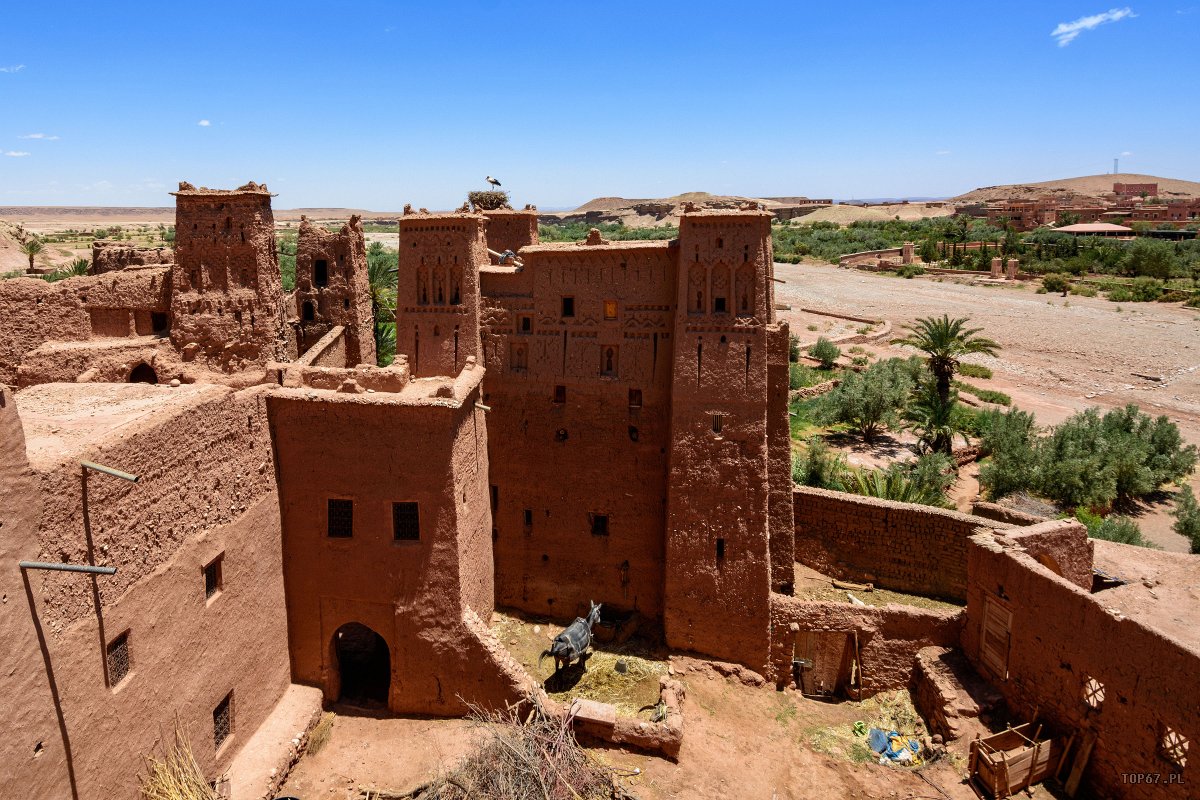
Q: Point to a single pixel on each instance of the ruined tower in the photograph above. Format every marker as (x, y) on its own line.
(333, 288)
(718, 548)
(437, 290)
(227, 299)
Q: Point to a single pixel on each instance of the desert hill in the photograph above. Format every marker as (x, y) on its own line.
(1086, 188)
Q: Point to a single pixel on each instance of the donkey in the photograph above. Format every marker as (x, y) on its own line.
(573, 642)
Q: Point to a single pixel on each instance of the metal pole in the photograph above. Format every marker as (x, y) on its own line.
(116, 473)
(68, 567)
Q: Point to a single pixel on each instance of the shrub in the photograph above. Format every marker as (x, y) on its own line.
(895, 483)
(1187, 517)
(986, 395)
(911, 271)
(1194, 302)
(1008, 439)
(1115, 529)
(869, 401)
(826, 352)
(1056, 282)
(974, 370)
(1083, 290)
(801, 376)
(793, 348)
(820, 467)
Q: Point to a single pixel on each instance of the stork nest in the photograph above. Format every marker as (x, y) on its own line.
(488, 201)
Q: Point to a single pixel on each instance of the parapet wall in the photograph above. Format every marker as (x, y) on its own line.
(901, 546)
(110, 256)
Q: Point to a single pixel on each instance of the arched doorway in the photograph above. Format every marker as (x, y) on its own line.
(364, 665)
(143, 373)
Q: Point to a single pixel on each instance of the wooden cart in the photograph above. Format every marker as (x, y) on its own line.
(1005, 763)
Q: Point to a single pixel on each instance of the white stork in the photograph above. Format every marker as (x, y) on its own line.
(493, 181)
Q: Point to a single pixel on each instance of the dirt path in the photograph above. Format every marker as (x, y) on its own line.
(1058, 355)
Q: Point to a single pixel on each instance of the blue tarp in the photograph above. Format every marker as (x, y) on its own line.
(880, 741)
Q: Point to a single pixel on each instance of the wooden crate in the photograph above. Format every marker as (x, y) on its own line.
(1005, 763)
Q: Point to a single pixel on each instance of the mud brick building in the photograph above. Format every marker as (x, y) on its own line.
(569, 422)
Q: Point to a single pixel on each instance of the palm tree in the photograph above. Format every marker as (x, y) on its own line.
(31, 248)
(381, 276)
(933, 419)
(893, 484)
(944, 341)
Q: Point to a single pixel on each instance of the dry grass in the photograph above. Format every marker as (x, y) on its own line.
(321, 732)
(534, 759)
(175, 776)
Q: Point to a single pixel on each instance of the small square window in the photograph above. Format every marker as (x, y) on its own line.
(406, 522)
(1093, 693)
(719, 305)
(599, 524)
(610, 309)
(341, 519)
(1173, 746)
(635, 398)
(568, 306)
(529, 518)
(223, 720)
(560, 394)
(213, 576)
(526, 325)
(717, 423)
(118, 659)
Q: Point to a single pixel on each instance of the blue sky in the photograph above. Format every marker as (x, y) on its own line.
(374, 104)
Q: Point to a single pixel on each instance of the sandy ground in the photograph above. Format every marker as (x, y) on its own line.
(1058, 355)
(740, 742)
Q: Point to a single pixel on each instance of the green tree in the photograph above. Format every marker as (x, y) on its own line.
(1008, 440)
(826, 352)
(32, 247)
(793, 348)
(944, 342)
(382, 266)
(820, 467)
(934, 421)
(1150, 259)
(869, 401)
(1187, 517)
(929, 251)
(1057, 282)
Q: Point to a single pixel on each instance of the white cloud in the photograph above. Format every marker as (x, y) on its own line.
(1125, 153)
(15, 153)
(45, 136)
(13, 68)
(1067, 32)
(204, 123)
(942, 153)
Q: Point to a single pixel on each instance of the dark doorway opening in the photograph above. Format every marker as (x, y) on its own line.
(364, 665)
(143, 373)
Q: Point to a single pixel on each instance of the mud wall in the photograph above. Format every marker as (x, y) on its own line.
(332, 289)
(718, 560)
(128, 303)
(511, 230)
(75, 732)
(376, 450)
(888, 636)
(576, 431)
(227, 299)
(1060, 637)
(901, 546)
(110, 256)
(437, 291)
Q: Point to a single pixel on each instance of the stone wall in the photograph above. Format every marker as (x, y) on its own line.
(1061, 636)
(901, 546)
